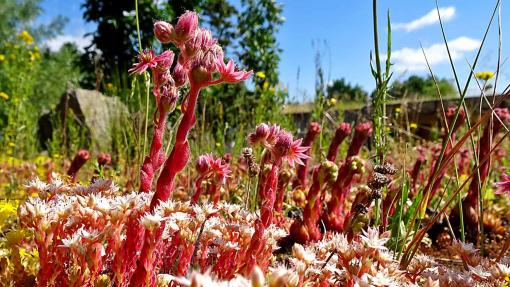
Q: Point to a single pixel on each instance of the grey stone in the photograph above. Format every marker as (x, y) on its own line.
(97, 115)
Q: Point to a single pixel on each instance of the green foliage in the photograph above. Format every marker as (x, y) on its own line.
(343, 91)
(116, 36)
(17, 15)
(31, 80)
(219, 17)
(420, 87)
(232, 110)
(258, 26)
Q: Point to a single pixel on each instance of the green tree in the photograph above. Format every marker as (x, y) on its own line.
(17, 15)
(343, 91)
(116, 34)
(219, 16)
(420, 87)
(257, 28)
(31, 78)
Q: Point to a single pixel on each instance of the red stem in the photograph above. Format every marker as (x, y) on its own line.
(179, 156)
(175, 163)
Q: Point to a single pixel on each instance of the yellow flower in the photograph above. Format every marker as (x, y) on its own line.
(7, 210)
(332, 102)
(486, 75)
(2, 57)
(34, 56)
(4, 96)
(109, 86)
(11, 144)
(265, 86)
(261, 75)
(397, 110)
(413, 126)
(26, 37)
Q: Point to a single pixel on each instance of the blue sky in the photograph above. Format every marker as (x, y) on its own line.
(342, 31)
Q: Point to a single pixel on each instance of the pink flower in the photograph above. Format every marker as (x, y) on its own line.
(145, 61)
(104, 159)
(202, 40)
(208, 166)
(164, 31)
(290, 150)
(265, 135)
(186, 26)
(260, 134)
(204, 164)
(164, 60)
(503, 187)
(179, 75)
(228, 71)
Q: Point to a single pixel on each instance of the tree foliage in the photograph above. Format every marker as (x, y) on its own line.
(420, 87)
(343, 91)
(17, 15)
(258, 25)
(116, 34)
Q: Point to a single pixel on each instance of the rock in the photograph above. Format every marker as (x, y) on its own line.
(96, 117)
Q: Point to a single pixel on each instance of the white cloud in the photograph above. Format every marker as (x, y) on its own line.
(447, 13)
(409, 59)
(80, 40)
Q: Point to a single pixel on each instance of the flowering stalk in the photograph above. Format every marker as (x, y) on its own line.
(213, 169)
(166, 95)
(305, 230)
(435, 176)
(464, 162)
(302, 170)
(283, 183)
(470, 202)
(351, 166)
(342, 132)
(282, 147)
(81, 157)
(414, 173)
(199, 60)
(103, 159)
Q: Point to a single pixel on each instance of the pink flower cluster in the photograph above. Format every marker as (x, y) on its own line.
(199, 61)
(91, 235)
(214, 170)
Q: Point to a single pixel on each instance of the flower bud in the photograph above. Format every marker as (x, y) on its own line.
(168, 99)
(164, 31)
(328, 171)
(227, 158)
(104, 159)
(361, 134)
(203, 164)
(283, 144)
(164, 60)
(262, 131)
(200, 76)
(186, 26)
(503, 115)
(179, 75)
